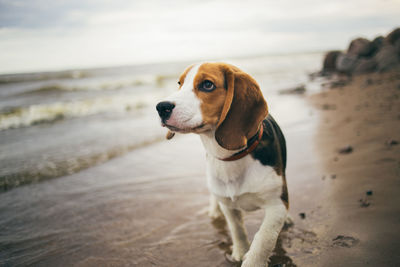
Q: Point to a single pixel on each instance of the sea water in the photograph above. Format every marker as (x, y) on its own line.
(57, 123)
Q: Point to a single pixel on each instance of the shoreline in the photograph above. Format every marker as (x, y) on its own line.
(358, 137)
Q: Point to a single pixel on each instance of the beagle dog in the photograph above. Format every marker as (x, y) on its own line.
(245, 151)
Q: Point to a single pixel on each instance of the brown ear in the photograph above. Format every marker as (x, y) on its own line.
(243, 112)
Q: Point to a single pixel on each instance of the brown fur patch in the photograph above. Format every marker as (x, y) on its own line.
(285, 194)
(211, 102)
(236, 106)
(246, 111)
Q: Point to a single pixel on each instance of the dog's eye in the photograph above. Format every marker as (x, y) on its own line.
(179, 82)
(207, 86)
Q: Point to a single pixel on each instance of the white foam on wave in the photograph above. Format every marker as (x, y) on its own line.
(26, 116)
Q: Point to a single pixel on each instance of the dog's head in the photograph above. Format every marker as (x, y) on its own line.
(215, 96)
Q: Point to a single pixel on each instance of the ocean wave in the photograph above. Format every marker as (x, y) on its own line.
(43, 76)
(57, 168)
(62, 88)
(57, 88)
(16, 117)
(51, 89)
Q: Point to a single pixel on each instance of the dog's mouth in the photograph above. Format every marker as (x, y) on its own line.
(195, 129)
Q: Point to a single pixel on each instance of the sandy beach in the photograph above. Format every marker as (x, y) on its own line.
(358, 138)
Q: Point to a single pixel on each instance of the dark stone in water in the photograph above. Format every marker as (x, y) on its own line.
(364, 203)
(345, 241)
(346, 150)
(327, 106)
(392, 142)
(299, 90)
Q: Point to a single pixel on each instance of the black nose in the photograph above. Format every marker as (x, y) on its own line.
(165, 109)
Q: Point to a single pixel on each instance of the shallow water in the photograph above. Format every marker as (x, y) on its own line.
(125, 197)
(142, 209)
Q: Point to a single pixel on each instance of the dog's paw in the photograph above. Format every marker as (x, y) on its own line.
(252, 260)
(231, 259)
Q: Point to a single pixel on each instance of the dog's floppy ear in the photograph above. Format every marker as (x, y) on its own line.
(243, 111)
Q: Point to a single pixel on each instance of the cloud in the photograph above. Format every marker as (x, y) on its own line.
(44, 34)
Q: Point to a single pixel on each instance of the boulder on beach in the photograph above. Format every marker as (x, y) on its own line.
(360, 47)
(329, 64)
(387, 58)
(377, 43)
(393, 36)
(365, 56)
(365, 65)
(346, 63)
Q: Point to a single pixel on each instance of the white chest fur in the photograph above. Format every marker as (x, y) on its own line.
(233, 179)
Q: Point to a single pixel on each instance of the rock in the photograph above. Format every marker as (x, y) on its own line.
(364, 56)
(330, 59)
(377, 43)
(365, 65)
(346, 150)
(302, 215)
(397, 48)
(392, 142)
(360, 47)
(338, 83)
(327, 106)
(369, 193)
(301, 89)
(345, 241)
(386, 58)
(346, 63)
(364, 203)
(393, 36)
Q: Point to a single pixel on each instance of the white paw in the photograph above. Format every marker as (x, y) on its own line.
(238, 254)
(251, 260)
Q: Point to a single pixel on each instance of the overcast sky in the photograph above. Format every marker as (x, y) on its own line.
(40, 35)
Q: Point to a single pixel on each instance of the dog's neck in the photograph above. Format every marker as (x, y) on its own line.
(213, 148)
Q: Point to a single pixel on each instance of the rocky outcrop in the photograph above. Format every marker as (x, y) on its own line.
(387, 58)
(360, 47)
(365, 56)
(330, 61)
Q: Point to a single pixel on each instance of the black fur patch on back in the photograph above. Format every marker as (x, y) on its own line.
(271, 150)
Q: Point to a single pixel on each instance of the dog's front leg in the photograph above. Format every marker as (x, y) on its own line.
(265, 239)
(214, 211)
(238, 232)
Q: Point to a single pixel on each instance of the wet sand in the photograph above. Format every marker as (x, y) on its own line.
(149, 207)
(358, 144)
